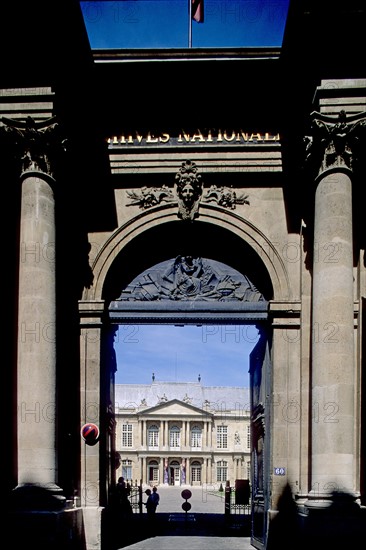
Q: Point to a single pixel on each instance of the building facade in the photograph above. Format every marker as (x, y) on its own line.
(182, 433)
(121, 211)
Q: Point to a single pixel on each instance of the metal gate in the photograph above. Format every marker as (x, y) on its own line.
(135, 496)
(238, 506)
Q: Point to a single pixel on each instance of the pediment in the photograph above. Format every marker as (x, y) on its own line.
(175, 407)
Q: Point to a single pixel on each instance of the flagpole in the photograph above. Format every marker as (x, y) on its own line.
(189, 23)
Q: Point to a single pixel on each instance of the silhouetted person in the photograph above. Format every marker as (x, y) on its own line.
(152, 501)
(122, 493)
(155, 497)
(284, 529)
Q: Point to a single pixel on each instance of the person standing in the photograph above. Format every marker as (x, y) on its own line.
(152, 501)
(155, 497)
(123, 491)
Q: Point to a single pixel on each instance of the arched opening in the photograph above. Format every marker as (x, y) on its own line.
(179, 274)
(173, 239)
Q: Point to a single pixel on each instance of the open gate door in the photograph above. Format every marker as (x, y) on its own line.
(260, 383)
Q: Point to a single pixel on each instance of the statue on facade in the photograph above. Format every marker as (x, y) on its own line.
(189, 190)
(162, 399)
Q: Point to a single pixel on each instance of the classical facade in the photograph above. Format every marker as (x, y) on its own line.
(182, 433)
(241, 205)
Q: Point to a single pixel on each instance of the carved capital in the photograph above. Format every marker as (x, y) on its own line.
(35, 145)
(335, 142)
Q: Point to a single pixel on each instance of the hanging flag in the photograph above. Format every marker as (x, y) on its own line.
(197, 10)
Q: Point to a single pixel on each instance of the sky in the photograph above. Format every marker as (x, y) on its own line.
(219, 353)
(165, 23)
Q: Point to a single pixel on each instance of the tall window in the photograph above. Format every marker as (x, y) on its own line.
(221, 437)
(196, 438)
(127, 469)
(126, 435)
(248, 470)
(153, 437)
(174, 437)
(196, 471)
(248, 437)
(221, 470)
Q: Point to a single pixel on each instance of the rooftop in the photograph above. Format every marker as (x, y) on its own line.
(216, 398)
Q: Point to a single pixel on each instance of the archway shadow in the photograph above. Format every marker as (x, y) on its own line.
(123, 532)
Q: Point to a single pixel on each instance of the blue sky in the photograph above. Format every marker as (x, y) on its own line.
(165, 23)
(220, 354)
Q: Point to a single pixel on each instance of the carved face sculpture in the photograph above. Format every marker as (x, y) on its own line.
(187, 194)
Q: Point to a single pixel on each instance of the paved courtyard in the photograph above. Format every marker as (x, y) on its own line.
(205, 499)
(193, 543)
(203, 526)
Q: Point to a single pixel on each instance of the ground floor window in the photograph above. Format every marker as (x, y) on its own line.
(221, 470)
(127, 469)
(196, 472)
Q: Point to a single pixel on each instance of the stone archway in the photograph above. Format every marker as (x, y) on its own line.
(131, 252)
(161, 223)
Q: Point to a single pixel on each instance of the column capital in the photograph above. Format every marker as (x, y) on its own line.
(35, 144)
(335, 143)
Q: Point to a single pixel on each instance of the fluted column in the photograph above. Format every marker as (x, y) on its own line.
(331, 152)
(34, 145)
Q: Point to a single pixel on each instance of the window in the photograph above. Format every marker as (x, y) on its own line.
(221, 470)
(153, 471)
(126, 435)
(196, 438)
(196, 471)
(175, 437)
(127, 469)
(153, 437)
(221, 437)
(248, 437)
(248, 470)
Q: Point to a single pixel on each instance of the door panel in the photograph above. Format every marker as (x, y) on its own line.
(260, 377)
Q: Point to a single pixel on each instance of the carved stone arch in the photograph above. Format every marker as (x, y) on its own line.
(105, 256)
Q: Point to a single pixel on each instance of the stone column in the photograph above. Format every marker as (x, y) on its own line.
(330, 151)
(188, 471)
(161, 470)
(166, 432)
(37, 333)
(144, 435)
(184, 434)
(143, 473)
(34, 145)
(209, 470)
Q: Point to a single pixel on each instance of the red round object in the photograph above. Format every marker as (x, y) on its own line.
(186, 493)
(90, 433)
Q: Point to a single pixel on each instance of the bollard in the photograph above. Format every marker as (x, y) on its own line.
(186, 506)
